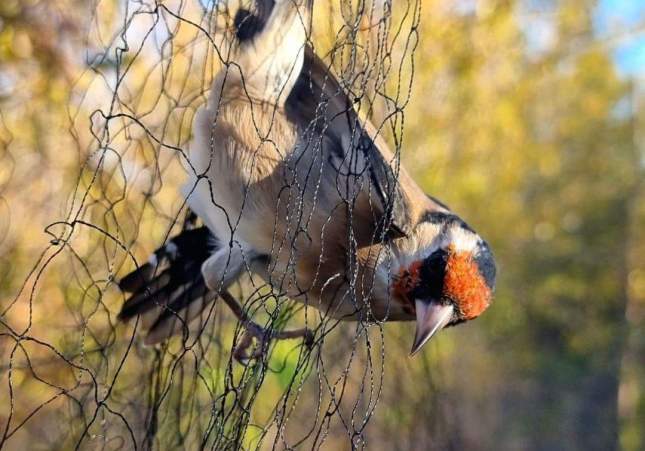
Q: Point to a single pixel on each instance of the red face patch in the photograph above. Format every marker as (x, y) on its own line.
(462, 283)
(465, 285)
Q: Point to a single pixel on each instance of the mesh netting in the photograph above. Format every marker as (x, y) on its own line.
(76, 376)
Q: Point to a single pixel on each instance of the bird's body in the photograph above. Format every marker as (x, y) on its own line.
(298, 189)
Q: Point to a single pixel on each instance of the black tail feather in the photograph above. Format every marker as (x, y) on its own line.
(148, 295)
(181, 301)
(138, 278)
(170, 282)
(180, 311)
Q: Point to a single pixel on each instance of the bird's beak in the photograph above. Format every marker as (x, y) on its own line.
(432, 316)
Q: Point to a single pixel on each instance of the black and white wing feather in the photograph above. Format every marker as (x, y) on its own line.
(166, 287)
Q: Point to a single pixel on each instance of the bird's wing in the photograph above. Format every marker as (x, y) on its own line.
(281, 68)
(322, 109)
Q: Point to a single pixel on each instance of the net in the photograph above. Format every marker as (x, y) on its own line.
(79, 378)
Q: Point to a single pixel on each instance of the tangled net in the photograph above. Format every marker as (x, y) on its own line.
(76, 377)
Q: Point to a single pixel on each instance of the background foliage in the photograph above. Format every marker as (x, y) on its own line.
(520, 117)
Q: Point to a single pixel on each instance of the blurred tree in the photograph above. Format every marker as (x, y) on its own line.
(536, 145)
(39, 60)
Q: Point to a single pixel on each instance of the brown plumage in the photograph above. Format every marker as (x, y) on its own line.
(298, 188)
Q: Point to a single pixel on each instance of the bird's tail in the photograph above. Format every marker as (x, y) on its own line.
(169, 290)
(271, 46)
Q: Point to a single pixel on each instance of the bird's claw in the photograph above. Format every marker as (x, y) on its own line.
(263, 337)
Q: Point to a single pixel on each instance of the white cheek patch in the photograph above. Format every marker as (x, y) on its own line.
(430, 237)
(463, 240)
(426, 239)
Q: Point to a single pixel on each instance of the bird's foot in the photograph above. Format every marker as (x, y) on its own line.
(245, 351)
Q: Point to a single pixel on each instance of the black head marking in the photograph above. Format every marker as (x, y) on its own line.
(445, 219)
(432, 273)
(248, 24)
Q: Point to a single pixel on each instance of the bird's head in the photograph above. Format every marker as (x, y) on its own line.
(448, 277)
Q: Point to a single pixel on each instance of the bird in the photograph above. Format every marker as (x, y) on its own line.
(286, 181)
